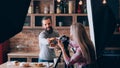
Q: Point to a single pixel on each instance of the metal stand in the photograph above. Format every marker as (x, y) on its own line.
(66, 66)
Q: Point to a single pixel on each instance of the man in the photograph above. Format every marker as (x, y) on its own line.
(45, 40)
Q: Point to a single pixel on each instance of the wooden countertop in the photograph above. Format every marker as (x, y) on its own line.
(9, 65)
(28, 55)
(23, 54)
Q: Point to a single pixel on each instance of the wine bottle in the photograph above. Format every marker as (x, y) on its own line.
(79, 10)
(85, 8)
(58, 9)
(65, 7)
(37, 9)
(61, 6)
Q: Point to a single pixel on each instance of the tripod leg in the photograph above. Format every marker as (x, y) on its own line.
(58, 60)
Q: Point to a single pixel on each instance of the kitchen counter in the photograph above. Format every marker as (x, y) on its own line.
(28, 55)
(9, 65)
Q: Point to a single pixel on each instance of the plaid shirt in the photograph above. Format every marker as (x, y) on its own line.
(77, 58)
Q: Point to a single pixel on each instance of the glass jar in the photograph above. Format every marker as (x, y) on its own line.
(70, 9)
(51, 9)
(60, 24)
(46, 10)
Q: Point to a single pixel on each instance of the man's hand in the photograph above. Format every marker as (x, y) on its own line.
(50, 40)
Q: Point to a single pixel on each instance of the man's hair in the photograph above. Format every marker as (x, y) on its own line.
(47, 17)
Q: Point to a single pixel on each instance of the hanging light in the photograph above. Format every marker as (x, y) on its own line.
(80, 2)
(104, 1)
(58, 0)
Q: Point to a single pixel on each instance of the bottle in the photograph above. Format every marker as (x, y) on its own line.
(58, 10)
(46, 10)
(37, 9)
(65, 7)
(61, 6)
(85, 8)
(79, 10)
(51, 9)
(70, 7)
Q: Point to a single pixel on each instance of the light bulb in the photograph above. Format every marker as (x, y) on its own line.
(104, 2)
(80, 2)
(58, 0)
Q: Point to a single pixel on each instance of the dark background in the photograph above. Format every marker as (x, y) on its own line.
(12, 17)
(105, 19)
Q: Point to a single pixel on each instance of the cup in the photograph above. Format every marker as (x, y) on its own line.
(60, 24)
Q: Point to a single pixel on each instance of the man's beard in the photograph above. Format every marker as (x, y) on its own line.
(49, 31)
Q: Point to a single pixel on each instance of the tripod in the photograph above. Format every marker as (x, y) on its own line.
(65, 41)
(65, 66)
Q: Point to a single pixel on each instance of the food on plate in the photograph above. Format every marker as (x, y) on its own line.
(24, 64)
(39, 65)
(15, 63)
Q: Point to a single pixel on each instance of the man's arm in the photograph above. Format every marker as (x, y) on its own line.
(43, 39)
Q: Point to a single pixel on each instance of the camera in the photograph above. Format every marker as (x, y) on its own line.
(64, 39)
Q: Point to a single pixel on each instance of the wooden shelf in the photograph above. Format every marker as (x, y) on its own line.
(67, 19)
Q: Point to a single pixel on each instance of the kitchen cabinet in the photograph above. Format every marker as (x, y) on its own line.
(23, 56)
(40, 8)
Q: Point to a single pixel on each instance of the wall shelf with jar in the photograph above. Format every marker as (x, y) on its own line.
(62, 12)
(28, 22)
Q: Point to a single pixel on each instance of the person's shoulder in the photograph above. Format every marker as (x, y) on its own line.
(42, 32)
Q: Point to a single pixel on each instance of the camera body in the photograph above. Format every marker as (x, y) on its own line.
(64, 39)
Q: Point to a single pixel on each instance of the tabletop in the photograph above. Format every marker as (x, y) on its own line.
(12, 64)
